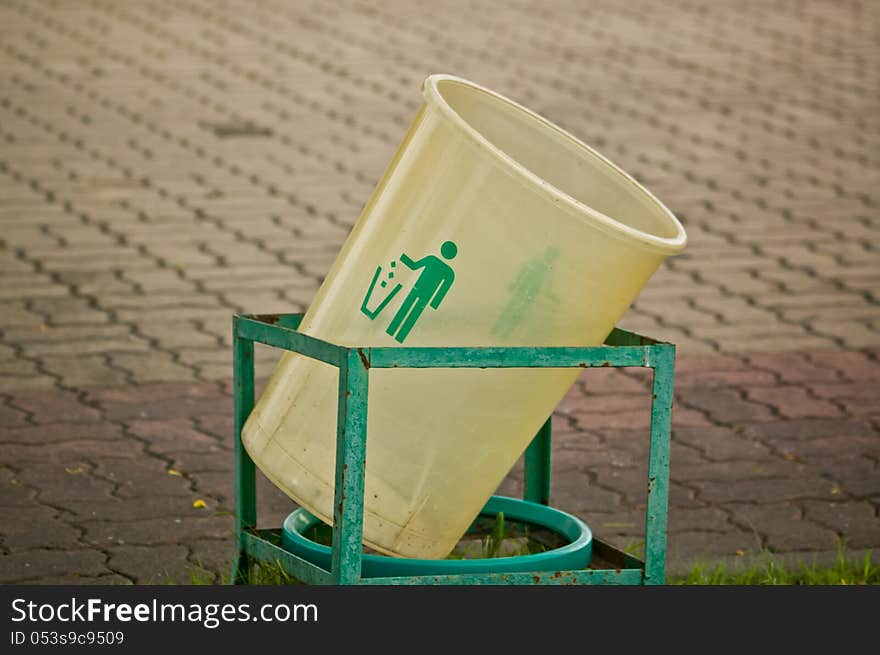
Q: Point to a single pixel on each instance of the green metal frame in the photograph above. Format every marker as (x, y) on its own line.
(610, 565)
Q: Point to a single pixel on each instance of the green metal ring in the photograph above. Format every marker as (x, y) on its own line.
(573, 556)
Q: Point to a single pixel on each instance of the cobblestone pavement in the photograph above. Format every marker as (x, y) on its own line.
(164, 164)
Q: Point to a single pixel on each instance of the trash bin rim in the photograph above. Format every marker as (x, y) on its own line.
(575, 554)
(664, 245)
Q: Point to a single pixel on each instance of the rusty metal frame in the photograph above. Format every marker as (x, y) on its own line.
(610, 566)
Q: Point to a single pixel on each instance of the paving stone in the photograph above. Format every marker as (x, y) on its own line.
(19, 367)
(149, 532)
(151, 565)
(187, 401)
(65, 480)
(713, 379)
(819, 450)
(119, 509)
(727, 406)
(793, 402)
(567, 459)
(862, 484)
(11, 417)
(810, 428)
(794, 367)
(194, 462)
(626, 528)
(70, 451)
(57, 432)
(273, 505)
(857, 522)
(784, 528)
(854, 365)
(220, 427)
(48, 350)
(85, 370)
(78, 580)
(854, 333)
(32, 565)
(217, 484)
(581, 497)
(151, 366)
(141, 478)
(34, 383)
(212, 556)
(768, 490)
(738, 470)
(15, 492)
(38, 527)
(610, 380)
(781, 340)
(158, 234)
(706, 546)
(722, 444)
(152, 393)
(173, 436)
(57, 407)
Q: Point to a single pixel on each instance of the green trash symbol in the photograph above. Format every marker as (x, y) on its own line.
(430, 288)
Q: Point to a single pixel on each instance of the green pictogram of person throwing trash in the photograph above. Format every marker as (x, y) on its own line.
(429, 289)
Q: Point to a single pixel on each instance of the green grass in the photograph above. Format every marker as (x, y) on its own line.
(766, 570)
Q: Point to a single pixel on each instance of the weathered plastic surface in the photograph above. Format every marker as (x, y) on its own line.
(490, 227)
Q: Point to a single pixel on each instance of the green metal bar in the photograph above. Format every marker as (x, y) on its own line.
(289, 321)
(583, 577)
(537, 466)
(622, 349)
(245, 482)
(282, 337)
(663, 361)
(351, 445)
(518, 357)
(262, 550)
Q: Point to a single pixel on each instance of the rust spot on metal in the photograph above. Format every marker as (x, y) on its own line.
(652, 482)
(536, 578)
(271, 319)
(364, 360)
(339, 509)
(605, 364)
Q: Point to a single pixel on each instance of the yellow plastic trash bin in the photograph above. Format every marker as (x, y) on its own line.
(491, 227)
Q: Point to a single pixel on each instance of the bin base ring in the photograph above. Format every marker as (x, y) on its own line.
(574, 555)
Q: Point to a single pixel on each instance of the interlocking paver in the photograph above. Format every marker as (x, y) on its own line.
(856, 522)
(34, 435)
(775, 524)
(158, 531)
(151, 186)
(61, 406)
(150, 565)
(42, 564)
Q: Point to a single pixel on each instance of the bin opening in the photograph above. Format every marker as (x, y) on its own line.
(565, 166)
